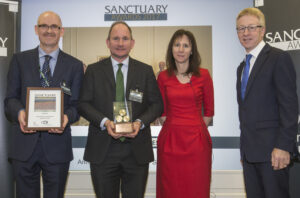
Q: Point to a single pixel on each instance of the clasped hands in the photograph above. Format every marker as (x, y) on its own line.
(22, 122)
(110, 126)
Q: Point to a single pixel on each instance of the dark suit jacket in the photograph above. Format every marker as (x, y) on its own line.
(269, 113)
(23, 73)
(96, 102)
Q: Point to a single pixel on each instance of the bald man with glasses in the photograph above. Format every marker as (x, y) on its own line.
(45, 153)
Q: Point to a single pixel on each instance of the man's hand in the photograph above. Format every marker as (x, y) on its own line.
(136, 128)
(110, 126)
(280, 159)
(66, 120)
(22, 122)
(162, 120)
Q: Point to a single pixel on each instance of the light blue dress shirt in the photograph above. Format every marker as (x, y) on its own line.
(53, 60)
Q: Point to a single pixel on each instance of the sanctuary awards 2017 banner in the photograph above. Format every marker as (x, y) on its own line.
(283, 31)
(136, 12)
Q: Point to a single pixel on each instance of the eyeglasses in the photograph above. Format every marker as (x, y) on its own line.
(45, 27)
(250, 28)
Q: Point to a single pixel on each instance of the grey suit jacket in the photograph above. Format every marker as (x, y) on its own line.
(96, 102)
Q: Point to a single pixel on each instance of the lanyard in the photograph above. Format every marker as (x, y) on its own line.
(44, 78)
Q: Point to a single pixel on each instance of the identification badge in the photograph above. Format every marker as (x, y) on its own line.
(136, 96)
(65, 89)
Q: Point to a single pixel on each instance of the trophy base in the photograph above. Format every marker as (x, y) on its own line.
(124, 127)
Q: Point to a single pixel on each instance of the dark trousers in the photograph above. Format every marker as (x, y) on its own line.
(119, 171)
(261, 181)
(27, 175)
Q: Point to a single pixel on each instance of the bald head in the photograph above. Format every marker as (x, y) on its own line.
(49, 14)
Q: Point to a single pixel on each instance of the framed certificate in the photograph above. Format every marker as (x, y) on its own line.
(44, 108)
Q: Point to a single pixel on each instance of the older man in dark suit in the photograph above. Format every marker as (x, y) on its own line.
(116, 161)
(268, 110)
(46, 153)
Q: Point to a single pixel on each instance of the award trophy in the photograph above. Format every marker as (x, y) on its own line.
(122, 117)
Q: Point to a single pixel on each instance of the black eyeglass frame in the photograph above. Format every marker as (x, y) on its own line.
(46, 27)
(250, 28)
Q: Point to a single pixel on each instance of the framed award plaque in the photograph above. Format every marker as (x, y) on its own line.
(44, 108)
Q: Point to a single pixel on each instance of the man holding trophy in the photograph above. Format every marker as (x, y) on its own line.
(120, 98)
(46, 81)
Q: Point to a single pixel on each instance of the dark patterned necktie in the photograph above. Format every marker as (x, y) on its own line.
(46, 77)
(245, 76)
(119, 84)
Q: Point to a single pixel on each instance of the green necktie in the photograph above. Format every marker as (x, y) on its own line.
(119, 84)
(120, 89)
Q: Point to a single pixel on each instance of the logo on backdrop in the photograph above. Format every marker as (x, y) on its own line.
(3, 49)
(135, 12)
(286, 40)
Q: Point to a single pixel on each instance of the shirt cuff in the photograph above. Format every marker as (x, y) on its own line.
(142, 124)
(102, 127)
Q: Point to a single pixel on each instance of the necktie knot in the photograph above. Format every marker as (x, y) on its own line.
(120, 65)
(248, 57)
(47, 58)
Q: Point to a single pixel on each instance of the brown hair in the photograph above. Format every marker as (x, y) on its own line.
(194, 59)
(116, 23)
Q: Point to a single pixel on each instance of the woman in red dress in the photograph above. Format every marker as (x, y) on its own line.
(184, 143)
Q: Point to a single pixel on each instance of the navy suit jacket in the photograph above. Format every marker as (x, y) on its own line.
(269, 112)
(96, 102)
(23, 73)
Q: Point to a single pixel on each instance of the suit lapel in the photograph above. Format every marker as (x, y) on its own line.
(109, 73)
(257, 67)
(130, 76)
(239, 77)
(60, 69)
(35, 67)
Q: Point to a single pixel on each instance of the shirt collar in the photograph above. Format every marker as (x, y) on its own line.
(255, 52)
(53, 54)
(115, 63)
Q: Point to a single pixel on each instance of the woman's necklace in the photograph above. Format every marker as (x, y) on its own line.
(183, 74)
(183, 77)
